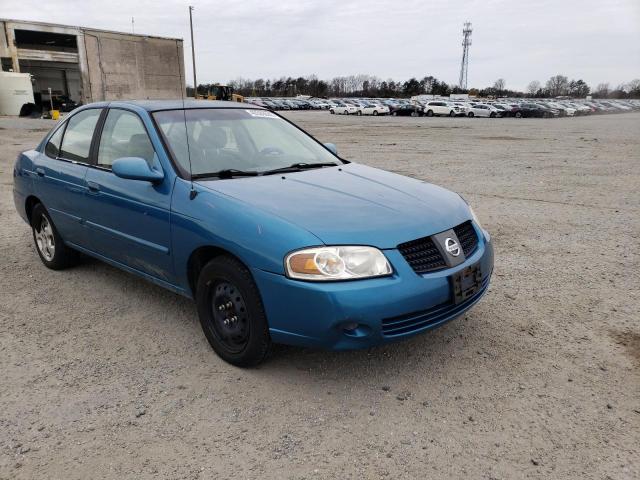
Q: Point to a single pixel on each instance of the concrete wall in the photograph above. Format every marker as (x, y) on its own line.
(133, 67)
(112, 65)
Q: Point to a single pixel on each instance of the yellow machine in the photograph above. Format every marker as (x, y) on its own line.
(221, 92)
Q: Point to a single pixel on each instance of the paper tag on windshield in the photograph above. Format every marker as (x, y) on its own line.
(261, 113)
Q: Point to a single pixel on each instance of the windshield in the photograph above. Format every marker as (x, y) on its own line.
(239, 139)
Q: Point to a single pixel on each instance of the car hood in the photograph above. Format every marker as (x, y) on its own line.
(353, 204)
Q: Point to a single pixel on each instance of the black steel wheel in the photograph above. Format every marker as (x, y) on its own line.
(231, 312)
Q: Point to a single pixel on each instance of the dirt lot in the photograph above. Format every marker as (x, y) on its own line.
(107, 376)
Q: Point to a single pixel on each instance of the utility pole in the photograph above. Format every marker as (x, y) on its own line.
(193, 55)
(133, 28)
(464, 66)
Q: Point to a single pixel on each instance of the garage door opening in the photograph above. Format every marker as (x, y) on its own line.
(52, 59)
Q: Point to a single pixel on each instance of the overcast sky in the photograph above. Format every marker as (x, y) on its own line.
(520, 41)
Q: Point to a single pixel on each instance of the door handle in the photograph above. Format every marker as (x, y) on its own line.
(40, 171)
(93, 187)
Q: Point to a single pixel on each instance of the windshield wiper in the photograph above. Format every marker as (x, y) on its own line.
(296, 167)
(226, 173)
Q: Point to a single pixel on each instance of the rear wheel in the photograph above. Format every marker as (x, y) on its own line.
(452, 113)
(231, 312)
(332, 111)
(395, 114)
(375, 113)
(518, 115)
(50, 246)
(492, 115)
(470, 114)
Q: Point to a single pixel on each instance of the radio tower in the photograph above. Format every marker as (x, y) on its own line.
(464, 66)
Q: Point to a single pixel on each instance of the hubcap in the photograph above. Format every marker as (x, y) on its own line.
(44, 239)
(230, 316)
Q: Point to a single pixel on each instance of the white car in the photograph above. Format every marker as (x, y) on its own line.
(373, 109)
(570, 111)
(483, 110)
(343, 109)
(440, 108)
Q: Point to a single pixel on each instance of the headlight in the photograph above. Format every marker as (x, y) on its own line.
(475, 217)
(337, 263)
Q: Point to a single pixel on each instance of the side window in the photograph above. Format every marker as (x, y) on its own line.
(76, 143)
(123, 135)
(52, 149)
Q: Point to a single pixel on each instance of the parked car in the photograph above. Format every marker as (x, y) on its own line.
(402, 109)
(275, 237)
(439, 108)
(533, 110)
(373, 109)
(483, 110)
(344, 109)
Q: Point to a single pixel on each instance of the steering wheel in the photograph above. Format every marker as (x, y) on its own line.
(271, 151)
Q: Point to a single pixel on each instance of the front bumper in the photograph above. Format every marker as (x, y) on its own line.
(314, 314)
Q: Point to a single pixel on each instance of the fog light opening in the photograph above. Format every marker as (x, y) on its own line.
(350, 327)
(355, 329)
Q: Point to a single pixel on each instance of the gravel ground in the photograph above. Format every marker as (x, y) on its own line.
(107, 376)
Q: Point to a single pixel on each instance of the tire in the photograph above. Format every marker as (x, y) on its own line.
(231, 312)
(414, 114)
(518, 115)
(395, 114)
(359, 112)
(375, 113)
(429, 113)
(49, 244)
(492, 115)
(332, 112)
(452, 113)
(470, 114)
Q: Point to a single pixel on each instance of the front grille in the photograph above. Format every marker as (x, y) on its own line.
(422, 255)
(467, 236)
(416, 321)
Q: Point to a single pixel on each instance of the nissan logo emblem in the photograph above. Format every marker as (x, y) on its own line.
(452, 246)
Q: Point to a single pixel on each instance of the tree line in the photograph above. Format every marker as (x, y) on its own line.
(372, 86)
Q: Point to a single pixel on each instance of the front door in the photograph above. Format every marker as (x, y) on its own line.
(128, 220)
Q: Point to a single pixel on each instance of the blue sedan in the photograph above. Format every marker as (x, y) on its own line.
(275, 237)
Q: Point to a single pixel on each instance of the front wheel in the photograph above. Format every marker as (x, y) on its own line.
(430, 113)
(332, 112)
(452, 113)
(470, 114)
(375, 113)
(231, 312)
(492, 115)
(50, 246)
(518, 115)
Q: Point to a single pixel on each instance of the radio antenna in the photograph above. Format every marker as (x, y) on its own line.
(192, 192)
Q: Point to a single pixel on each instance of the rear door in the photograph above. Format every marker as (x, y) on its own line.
(128, 220)
(60, 182)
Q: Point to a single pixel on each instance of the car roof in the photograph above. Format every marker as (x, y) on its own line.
(178, 104)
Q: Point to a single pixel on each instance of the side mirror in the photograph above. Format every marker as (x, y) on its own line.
(332, 148)
(136, 168)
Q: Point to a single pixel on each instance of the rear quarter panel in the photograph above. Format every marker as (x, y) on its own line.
(23, 178)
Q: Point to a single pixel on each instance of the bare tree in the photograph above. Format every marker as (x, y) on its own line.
(602, 90)
(499, 86)
(533, 87)
(557, 85)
